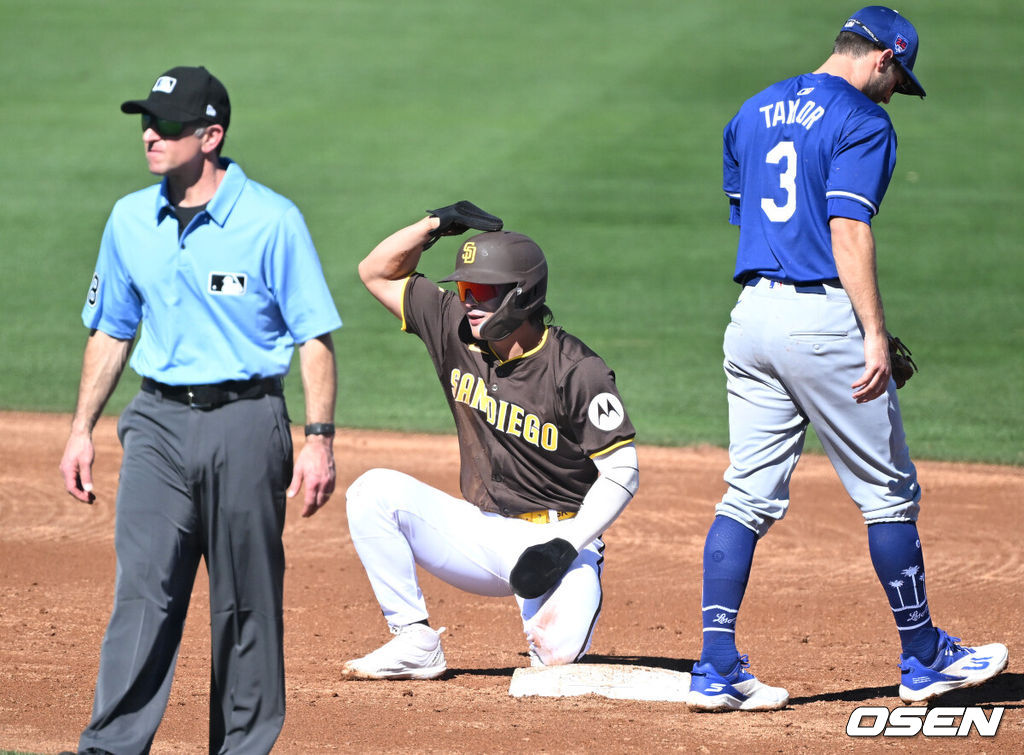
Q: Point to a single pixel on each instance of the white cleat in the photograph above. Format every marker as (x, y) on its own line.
(414, 653)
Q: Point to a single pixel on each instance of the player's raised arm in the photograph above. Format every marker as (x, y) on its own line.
(396, 257)
(393, 260)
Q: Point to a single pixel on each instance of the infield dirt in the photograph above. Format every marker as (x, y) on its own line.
(814, 619)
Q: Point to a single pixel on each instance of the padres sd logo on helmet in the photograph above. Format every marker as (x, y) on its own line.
(469, 253)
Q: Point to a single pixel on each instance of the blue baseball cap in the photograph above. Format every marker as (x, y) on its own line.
(889, 31)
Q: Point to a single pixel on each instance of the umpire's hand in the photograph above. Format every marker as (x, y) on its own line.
(76, 466)
(314, 468)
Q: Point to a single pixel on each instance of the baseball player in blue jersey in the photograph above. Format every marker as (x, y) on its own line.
(806, 163)
(222, 276)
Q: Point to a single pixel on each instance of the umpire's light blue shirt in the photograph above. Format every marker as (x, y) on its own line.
(227, 300)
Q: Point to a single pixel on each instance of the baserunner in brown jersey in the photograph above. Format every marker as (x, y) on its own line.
(547, 453)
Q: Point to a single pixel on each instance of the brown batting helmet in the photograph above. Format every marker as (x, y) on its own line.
(504, 257)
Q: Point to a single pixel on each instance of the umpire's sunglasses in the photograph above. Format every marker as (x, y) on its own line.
(481, 291)
(166, 128)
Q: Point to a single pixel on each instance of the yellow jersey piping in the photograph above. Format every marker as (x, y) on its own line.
(525, 354)
(405, 285)
(612, 447)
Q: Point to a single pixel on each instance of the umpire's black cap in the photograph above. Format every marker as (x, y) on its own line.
(186, 94)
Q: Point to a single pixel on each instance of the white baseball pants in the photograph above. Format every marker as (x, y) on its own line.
(398, 522)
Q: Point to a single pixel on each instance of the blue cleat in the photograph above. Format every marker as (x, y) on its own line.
(737, 690)
(954, 667)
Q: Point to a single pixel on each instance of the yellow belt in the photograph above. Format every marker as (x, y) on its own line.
(545, 517)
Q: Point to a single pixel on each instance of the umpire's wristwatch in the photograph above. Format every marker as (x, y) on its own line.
(320, 428)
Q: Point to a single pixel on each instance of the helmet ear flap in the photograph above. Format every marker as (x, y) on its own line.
(506, 318)
(514, 310)
(529, 299)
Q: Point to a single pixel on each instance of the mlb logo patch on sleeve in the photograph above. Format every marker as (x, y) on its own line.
(228, 284)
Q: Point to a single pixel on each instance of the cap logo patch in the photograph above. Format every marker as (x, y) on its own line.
(469, 253)
(228, 284)
(900, 46)
(165, 84)
(605, 411)
(211, 111)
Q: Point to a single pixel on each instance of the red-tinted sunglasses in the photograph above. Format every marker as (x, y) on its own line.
(481, 291)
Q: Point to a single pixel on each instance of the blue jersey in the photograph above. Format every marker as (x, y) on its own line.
(800, 152)
(227, 299)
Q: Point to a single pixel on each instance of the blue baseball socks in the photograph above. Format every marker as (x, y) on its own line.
(728, 555)
(896, 555)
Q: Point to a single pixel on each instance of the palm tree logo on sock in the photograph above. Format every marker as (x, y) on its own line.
(898, 583)
(918, 609)
(911, 573)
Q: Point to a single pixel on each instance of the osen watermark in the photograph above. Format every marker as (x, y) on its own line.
(868, 721)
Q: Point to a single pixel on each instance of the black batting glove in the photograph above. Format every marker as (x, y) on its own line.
(458, 218)
(540, 567)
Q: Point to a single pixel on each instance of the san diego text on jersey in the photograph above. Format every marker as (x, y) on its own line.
(503, 416)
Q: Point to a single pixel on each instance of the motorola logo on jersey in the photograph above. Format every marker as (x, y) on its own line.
(504, 416)
(605, 411)
(228, 284)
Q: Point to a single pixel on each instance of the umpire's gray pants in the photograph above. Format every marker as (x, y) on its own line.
(197, 483)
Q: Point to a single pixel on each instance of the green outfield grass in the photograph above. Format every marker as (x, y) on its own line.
(593, 127)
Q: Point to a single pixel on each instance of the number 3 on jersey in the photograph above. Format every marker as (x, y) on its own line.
(783, 151)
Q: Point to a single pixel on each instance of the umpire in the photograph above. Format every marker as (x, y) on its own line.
(223, 275)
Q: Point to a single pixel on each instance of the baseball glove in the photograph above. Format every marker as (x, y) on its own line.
(903, 367)
(540, 567)
(460, 217)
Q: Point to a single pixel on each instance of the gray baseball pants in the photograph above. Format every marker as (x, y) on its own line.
(792, 354)
(197, 484)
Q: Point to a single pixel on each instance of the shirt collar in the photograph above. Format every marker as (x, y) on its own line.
(525, 354)
(223, 201)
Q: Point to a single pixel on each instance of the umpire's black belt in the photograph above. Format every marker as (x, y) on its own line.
(212, 395)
